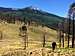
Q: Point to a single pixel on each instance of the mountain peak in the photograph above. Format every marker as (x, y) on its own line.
(34, 7)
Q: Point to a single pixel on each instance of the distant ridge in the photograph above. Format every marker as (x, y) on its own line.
(34, 14)
(3, 9)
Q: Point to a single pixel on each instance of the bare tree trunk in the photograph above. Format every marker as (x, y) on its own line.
(62, 38)
(63, 41)
(73, 34)
(59, 39)
(44, 40)
(1, 35)
(68, 32)
(24, 42)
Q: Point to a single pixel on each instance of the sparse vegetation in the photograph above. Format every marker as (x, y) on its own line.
(29, 32)
(35, 37)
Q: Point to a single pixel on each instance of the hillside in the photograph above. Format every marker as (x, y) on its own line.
(12, 40)
(12, 43)
(29, 14)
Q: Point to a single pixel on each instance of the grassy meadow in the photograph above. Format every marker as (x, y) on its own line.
(11, 39)
(12, 44)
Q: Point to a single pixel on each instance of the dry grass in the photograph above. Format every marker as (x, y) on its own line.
(12, 41)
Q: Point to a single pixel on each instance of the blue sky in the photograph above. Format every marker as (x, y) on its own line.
(58, 7)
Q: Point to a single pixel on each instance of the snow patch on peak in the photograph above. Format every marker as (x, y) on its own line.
(35, 8)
